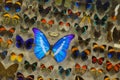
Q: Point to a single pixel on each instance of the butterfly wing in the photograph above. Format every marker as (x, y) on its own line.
(28, 43)
(42, 45)
(97, 20)
(94, 59)
(34, 66)
(19, 41)
(60, 47)
(100, 60)
(104, 19)
(3, 54)
(68, 71)
(61, 70)
(11, 70)
(27, 64)
(20, 76)
(2, 71)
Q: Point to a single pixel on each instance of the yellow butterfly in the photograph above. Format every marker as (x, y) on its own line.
(18, 57)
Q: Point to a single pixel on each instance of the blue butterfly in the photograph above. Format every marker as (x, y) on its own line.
(42, 46)
(63, 71)
(3, 54)
(20, 43)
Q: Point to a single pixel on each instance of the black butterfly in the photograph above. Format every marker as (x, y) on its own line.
(29, 20)
(116, 35)
(43, 11)
(101, 8)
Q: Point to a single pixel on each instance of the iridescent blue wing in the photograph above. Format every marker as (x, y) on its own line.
(60, 47)
(42, 45)
(28, 43)
(19, 41)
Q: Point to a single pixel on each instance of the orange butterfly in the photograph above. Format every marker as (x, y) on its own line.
(50, 22)
(5, 44)
(64, 26)
(110, 66)
(80, 69)
(4, 31)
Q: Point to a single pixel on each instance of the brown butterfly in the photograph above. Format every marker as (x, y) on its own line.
(8, 73)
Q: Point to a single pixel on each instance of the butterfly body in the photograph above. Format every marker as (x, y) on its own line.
(44, 47)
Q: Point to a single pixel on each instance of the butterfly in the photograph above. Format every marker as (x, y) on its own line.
(29, 20)
(5, 44)
(80, 30)
(98, 21)
(10, 19)
(97, 34)
(14, 56)
(83, 42)
(41, 78)
(9, 6)
(21, 43)
(100, 48)
(64, 26)
(73, 15)
(96, 72)
(4, 31)
(9, 72)
(100, 7)
(44, 11)
(99, 60)
(110, 66)
(3, 54)
(20, 76)
(28, 66)
(80, 69)
(23, 29)
(63, 72)
(44, 69)
(66, 3)
(76, 53)
(112, 53)
(108, 78)
(50, 22)
(78, 78)
(53, 34)
(116, 34)
(42, 46)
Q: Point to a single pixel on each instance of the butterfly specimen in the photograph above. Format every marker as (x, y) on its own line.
(116, 34)
(31, 67)
(64, 26)
(48, 69)
(99, 60)
(98, 48)
(83, 55)
(73, 15)
(66, 3)
(85, 4)
(100, 7)
(111, 67)
(44, 11)
(80, 69)
(20, 43)
(96, 72)
(83, 42)
(9, 6)
(23, 29)
(8, 74)
(20, 76)
(42, 46)
(3, 54)
(112, 53)
(4, 31)
(5, 44)
(47, 23)
(97, 34)
(29, 20)
(78, 78)
(108, 78)
(64, 72)
(80, 30)
(41, 78)
(9, 19)
(98, 21)
(14, 56)
(53, 34)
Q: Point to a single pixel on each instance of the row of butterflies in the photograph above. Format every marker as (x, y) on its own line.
(59, 50)
(63, 73)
